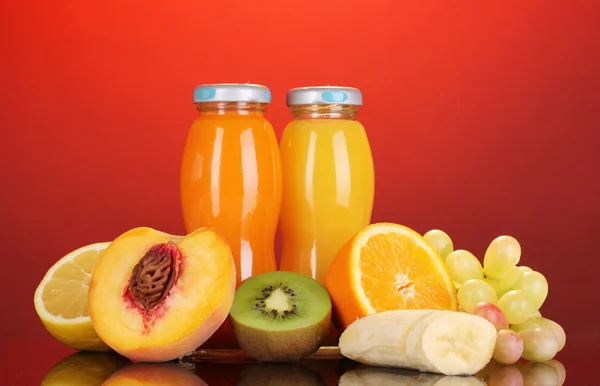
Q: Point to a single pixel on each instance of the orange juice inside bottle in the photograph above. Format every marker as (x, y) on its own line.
(328, 178)
(231, 179)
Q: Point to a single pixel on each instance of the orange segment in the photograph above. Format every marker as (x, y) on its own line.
(387, 267)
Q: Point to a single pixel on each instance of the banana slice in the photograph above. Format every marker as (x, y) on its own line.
(459, 343)
(383, 347)
(414, 342)
(373, 376)
(445, 342)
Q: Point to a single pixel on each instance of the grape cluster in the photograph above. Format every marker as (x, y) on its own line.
(506, 294)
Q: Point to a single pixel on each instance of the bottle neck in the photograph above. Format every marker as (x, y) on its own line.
(232, 108)
(324, 111)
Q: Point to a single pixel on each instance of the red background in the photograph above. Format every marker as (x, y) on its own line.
(483, 118)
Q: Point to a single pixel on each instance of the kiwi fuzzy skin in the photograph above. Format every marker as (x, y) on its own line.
(281, 346)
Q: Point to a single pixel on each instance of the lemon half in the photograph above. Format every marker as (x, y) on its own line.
(61, 299)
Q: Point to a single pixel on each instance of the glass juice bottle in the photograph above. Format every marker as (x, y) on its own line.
(231, 178)
(328, 178)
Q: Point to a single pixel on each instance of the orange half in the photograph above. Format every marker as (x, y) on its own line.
(387, 267)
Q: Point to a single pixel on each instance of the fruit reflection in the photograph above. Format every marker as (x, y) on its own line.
(561, 372)
(524, 374)
(154, 374)
(84, 369)
(330, 370)
(95, 369)
(275, 374)
(376, 376)
(494, 374)
(505, 376)
(540, 373)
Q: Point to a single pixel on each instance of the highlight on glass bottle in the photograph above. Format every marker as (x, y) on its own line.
(231, 178)
(328, 177)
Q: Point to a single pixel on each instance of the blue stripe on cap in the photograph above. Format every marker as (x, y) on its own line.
(334, 96)
(204, 93)
(268, 95)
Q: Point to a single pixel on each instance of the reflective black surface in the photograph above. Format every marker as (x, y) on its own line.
(47, 361)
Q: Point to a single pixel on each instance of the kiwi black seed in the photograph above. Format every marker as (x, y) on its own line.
(280, 316)
(261, 306)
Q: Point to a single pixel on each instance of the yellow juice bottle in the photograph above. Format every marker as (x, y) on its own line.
(328, 177)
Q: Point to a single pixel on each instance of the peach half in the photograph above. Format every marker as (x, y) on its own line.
(155, 297)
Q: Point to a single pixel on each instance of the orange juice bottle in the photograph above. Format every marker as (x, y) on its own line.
(328, 178)
(231, 178)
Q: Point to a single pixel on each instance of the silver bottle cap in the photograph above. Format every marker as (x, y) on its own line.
(232, 92)
(324, 95)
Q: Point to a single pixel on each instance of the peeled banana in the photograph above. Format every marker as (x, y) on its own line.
(444, 342)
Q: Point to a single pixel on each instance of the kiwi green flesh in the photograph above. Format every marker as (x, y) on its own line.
(278, 336)
(280, 301)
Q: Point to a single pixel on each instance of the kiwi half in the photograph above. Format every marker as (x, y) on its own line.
(280, 316)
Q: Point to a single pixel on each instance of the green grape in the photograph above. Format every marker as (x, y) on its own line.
(440, 241)
(507, 281)
(539, 345)
(535, 286)
(509, 347)
(544, 323)
(516, 306)
(493, 282)
(561, 336)
(530, 324)
(463, 265)
(502, 254)
(473, 292)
